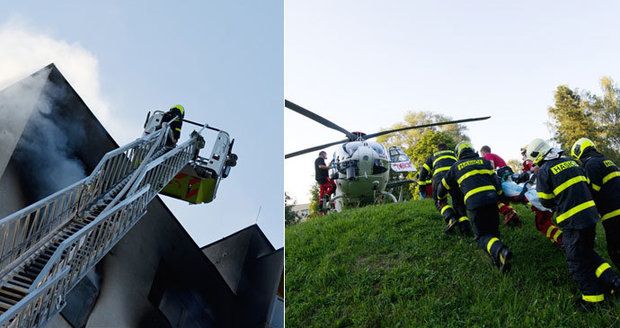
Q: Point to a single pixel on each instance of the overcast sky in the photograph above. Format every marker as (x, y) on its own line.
(364, 64)
(223, 60)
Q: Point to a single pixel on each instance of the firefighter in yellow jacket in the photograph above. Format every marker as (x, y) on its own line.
(174, 116)
(480, 186)
(434, 169)
(604, 177)
(562, 186)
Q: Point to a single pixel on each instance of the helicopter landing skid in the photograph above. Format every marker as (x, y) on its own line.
(389, 195)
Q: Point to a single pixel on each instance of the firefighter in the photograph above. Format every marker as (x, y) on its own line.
(562, 185)
(433, 170)
(542, 216)
(174, 117)
(477, 181)
(604, 177)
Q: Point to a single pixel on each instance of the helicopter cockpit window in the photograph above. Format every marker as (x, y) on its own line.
(351, 148)
(399, 158)
(378, 148)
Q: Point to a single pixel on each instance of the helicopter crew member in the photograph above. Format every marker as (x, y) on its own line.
(604, 177)
(433, 170)
(562, 185)
(477, 181)
(510, 215)
(321, 175)
(174, 117)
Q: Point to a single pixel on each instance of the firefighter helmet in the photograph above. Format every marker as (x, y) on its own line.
(580, 146)
(462, 146)
(537, 149)
(180, 108)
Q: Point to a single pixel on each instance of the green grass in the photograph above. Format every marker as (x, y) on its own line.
(392, 266)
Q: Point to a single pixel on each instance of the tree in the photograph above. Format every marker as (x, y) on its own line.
(578, 114)
(313, 207)
(571, 118)
(427, 145)
(606, 114)
(290, 217)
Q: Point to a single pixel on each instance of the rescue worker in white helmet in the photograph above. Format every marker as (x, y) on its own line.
(604, 177)
(562, 186)
(477, 181)
(434, 169)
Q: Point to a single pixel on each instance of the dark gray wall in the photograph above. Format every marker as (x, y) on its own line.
(252, 268)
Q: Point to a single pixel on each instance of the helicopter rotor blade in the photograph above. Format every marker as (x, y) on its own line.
(372, 135)
(311, 149)
(315, 117)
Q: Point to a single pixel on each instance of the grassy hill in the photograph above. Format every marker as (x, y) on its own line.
(392, 266)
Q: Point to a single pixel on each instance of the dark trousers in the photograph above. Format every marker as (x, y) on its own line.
(485, 220)
(446, 210)
(612, 234)
(583, 261)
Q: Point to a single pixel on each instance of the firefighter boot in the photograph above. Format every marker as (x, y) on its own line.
(464, 226)
(609, 278)
(584, 305)
(452, 223)
(511, 218)
(500, 254)
(504, 258)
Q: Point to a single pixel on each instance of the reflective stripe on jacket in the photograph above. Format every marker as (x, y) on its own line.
(604, 176)
(562, 185)
(475, 178)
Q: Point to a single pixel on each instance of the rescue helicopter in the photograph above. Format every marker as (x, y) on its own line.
(361, 167)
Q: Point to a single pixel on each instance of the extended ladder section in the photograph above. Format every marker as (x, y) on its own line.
(46, 248)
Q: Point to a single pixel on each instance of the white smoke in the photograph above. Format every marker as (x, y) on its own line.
(24, 51)
(46, 152)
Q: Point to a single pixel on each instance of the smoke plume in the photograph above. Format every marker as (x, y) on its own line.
(46, 154)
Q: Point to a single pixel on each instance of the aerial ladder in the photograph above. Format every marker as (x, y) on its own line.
(49, 246)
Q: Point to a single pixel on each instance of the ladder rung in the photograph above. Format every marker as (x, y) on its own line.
(7, 300)
(5, 306)
(14, 296)
(18, 286)
(10, 290)
(25, 273)
(23, 279)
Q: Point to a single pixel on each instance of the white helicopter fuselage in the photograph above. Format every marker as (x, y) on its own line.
(361, 170)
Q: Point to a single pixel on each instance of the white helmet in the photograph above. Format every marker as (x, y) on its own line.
(537, 149)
